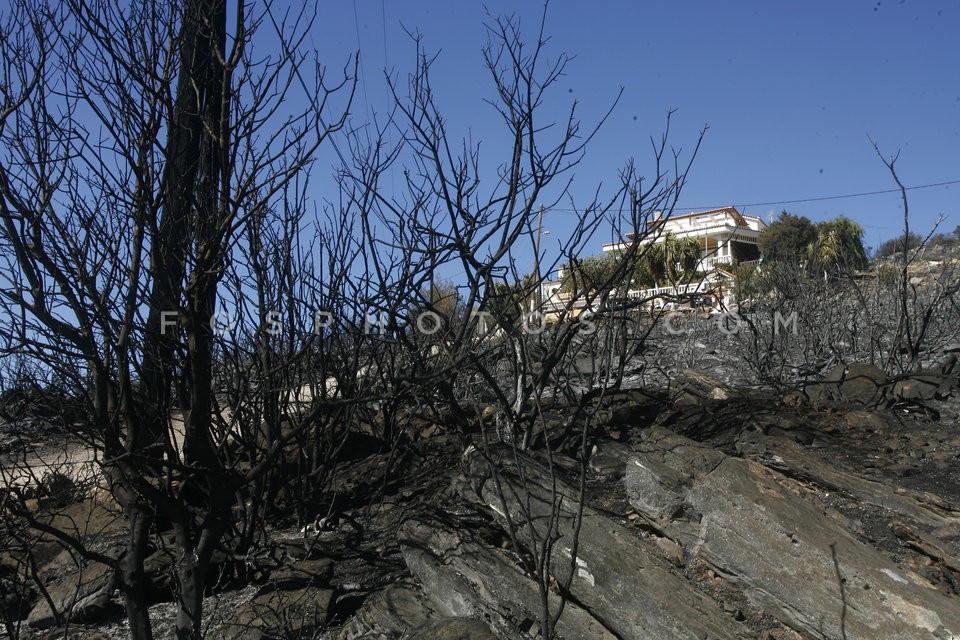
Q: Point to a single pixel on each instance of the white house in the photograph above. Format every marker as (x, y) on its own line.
(725, 235)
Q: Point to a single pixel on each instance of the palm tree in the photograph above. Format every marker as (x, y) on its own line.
(838, 246)
(670, 259)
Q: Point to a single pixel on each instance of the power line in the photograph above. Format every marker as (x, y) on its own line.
(822, 198)
(383, 22)
(799, 200)
(363, 75)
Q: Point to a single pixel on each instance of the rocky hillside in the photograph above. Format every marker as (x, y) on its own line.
(707, 512)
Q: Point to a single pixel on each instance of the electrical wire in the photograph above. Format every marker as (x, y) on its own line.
(363, 75)
(849, 195)
(800, 200)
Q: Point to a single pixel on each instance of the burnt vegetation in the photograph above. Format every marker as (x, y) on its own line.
(228, 411)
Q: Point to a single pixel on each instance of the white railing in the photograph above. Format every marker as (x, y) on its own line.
(560, 301)
(659, 292)
(713, 260)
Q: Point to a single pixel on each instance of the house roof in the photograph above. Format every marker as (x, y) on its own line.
(730, 210)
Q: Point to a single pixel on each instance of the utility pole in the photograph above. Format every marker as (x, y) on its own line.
(536, 262)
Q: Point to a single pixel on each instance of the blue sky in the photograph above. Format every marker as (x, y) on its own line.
(790, 91)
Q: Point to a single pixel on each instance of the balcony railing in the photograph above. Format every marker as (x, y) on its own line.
(671, 291)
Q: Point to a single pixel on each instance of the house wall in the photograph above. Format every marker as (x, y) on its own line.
(726, 236)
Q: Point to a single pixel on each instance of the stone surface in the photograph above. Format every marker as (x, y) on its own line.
(282, 613)
(629, 587)
(863, 385)
(391, 614)
(799, 561)
(695, 387)
(467, 579)
(926, 544)
(454, 629)
(787, 456)
(608, 459)
(918, 388)
(80, 596)
(302, 573)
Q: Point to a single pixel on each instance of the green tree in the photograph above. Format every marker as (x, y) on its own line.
(788, 239)
(441, 298)
(507, 302)
(581, 276)
(671, 259)
(838, 247)
(668, 261)
(894, 246)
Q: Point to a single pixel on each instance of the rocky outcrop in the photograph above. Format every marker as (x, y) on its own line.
(866, 385)
(391, 614)
(861, 385)
(79, 595)
(280, 612)
(465, 578)
(786, 455)
(709, 512)
(695, 387)
(796, 558)
(454, 629)
(628, 587)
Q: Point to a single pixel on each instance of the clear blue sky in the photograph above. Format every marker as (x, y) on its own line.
(790, 91)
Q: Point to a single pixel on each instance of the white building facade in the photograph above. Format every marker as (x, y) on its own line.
(726, 236)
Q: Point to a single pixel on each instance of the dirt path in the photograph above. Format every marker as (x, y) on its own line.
(28, 462)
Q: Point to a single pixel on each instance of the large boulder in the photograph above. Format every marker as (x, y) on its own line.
(80, 595)
(924, 386)
(862, 385)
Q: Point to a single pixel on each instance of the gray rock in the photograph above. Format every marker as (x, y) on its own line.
(694, 387)
(860, 385)
(863, 384)
(281, 613)
(390, 614)
(822, 394)
(785, 455)
(82, 595)
(655, 489)
(608, 459)
(302, 573)
(917, 388)
(802, 564)
(454, 629)
(835, 374)
(626, 585)
(466, 579)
